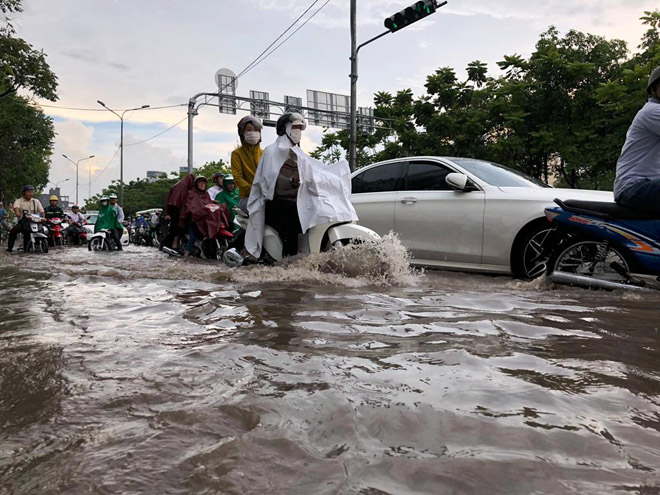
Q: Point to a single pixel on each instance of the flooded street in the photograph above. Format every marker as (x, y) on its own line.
(137, 373)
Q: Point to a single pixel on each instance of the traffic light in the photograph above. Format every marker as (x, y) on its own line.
(411, 14)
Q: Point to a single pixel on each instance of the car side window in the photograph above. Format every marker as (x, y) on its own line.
(427, 176)
(383, 178)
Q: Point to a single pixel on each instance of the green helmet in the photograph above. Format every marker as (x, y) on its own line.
(653, 79)
(103, 198)
(228, 178)
(112, 196)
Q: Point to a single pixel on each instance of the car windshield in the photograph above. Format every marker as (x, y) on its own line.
(92, 219)
(497, 175)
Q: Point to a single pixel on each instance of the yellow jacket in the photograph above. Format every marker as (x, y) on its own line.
(244, 162)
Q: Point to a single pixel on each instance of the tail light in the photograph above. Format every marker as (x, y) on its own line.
(551, 215)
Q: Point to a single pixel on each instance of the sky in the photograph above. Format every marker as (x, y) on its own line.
(129, 53)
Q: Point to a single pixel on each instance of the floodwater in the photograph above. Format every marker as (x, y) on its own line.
(345, 374)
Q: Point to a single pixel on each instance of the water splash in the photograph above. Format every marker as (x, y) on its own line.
(384, 263)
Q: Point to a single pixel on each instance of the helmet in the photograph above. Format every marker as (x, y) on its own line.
(199, 179)
(27, 188)
(248, 119)
(112, 196)
(103, 198)
(229, 179)
(294, 118)
(653, 79)
(53, 198)
(216, 175)
(75, 206)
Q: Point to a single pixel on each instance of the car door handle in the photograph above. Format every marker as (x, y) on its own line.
(409, 201)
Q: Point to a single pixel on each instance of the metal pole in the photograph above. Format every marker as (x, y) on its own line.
(77, 181)
(191, 115)
(352, 153)
(121, 163)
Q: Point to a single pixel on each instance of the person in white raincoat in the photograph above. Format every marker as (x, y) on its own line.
(292, 192)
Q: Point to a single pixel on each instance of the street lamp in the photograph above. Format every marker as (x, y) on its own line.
(76, 164)
(121, 146)
(58, 183)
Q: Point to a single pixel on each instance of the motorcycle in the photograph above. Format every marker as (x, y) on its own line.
(37, 233)
(320, 238)
(604, 246)
(56, 227)
(141, 236)
(77, 235)
(101, 241)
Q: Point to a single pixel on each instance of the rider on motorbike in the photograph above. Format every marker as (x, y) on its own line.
(218, 181)
(275, 189)
(3, 217)
(637, 183)
(245, 159)
(108, 220)
(77, 220)
(25, 203)
(228, 196)
(54, 211)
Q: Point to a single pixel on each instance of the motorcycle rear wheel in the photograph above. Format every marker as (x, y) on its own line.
(591, 258)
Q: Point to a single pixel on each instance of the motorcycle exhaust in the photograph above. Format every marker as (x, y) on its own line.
(590, 282)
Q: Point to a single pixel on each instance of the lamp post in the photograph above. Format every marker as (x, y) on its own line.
(76, 164)
(121, 146)
(58, 183)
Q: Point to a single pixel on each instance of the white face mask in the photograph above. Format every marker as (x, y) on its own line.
(252, 138)
(295, 136)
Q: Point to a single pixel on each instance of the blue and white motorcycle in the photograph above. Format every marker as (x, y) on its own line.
(604, 245)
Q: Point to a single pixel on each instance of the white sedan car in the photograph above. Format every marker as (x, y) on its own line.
(91, 217)
(461, 213)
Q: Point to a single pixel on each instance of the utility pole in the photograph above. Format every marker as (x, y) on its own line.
(352, 151)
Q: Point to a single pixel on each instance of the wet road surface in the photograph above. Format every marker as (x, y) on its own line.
(345, 374)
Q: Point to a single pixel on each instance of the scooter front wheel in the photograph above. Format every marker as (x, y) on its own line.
(96, 244)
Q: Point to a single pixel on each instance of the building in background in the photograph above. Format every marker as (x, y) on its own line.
(64, 202)
(154, 175)
(184, 170)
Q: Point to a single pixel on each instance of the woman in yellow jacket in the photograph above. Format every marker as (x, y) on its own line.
(245, 159)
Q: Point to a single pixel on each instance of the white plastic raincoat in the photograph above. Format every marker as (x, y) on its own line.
(324, 195)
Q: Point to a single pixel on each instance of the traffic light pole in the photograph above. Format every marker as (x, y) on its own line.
(352, 146)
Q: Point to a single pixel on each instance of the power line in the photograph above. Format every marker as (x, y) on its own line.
(98, 176)
(104, 110)
(288, 37)
(247, 68)
(159, 134)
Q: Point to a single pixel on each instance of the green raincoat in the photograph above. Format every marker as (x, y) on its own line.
(107, 219)
(231, 200)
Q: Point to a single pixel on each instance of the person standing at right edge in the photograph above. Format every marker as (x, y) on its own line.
(637, 183)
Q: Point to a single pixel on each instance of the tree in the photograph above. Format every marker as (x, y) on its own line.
(26, 137)
(26, 134)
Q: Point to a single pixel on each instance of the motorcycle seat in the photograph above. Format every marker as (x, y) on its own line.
(605, 210)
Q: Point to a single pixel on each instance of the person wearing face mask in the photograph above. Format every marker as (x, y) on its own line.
(274, 193)
(217, 180)
(245, 159)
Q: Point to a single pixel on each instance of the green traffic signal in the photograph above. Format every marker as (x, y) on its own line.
(411, 14)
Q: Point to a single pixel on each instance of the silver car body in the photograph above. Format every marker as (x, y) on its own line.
(455, 229)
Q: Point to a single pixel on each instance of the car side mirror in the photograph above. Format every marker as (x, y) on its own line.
(460, 182)
(457, 181)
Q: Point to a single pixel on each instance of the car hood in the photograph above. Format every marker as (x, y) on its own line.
(549, 194)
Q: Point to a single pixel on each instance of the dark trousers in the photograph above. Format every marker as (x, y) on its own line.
(282, 215)
(116, 235)
(643, 195)
(17, 229)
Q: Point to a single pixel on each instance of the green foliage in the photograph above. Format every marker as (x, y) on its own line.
(26, 134)
(142, 194)
(560, 115)
(21, 66)
(26, 137)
